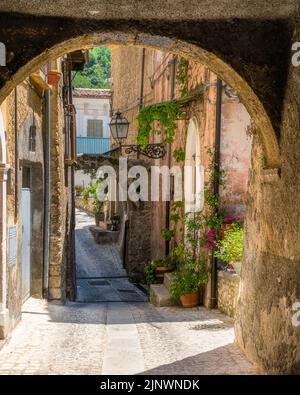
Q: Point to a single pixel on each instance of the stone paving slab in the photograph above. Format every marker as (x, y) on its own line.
(116, 290)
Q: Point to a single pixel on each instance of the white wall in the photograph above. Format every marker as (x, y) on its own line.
(91, 108)
(81, 179)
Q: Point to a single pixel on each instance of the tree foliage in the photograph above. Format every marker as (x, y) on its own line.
(97, 72)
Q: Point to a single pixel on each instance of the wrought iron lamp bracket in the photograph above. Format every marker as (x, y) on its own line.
(153, 151)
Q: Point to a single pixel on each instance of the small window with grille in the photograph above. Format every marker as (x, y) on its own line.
(94, 128)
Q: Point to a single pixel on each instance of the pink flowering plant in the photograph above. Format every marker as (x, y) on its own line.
(230, 246)
(217, 231)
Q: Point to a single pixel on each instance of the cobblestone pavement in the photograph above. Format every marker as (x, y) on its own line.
(100, 273)
(116, 338)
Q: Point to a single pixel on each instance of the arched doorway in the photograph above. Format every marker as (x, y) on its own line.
(193, 180)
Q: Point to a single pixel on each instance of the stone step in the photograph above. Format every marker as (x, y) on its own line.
(168, 278)
(160, 295)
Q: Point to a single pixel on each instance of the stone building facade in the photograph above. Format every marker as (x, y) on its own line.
(37, 199)
(159, 77)
(24, 124)
(93, 110)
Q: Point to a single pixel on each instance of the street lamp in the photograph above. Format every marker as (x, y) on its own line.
(119, 130)
(119, 127)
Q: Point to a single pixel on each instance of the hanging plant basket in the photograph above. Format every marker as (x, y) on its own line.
(53, 77)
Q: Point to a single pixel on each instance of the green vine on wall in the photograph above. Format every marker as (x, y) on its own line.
(182, 82)
(159, 119)
(182, 76)
(179, 154)
(215, 217)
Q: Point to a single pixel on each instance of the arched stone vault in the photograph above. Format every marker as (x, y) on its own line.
(243, 52)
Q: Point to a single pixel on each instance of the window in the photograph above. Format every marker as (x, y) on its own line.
(32, 138)
(95, 128)
(26, 177)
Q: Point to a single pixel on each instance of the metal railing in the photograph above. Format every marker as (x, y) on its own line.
(92, 145)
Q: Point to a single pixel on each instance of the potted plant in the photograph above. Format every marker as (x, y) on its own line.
(185, 286)
(53, 77)
(190, 275)
(79, 190)
(91, 191)
(154, 270)
(149, 271)
(230, 247)
(165, 265)
(115, 221)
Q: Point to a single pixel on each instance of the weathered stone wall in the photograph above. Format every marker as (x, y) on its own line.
(138, 245)
(20, 108)
(126, 83)
(228, 291)
(57, 267)
(235, 144)
(235, 154)
(270, 274)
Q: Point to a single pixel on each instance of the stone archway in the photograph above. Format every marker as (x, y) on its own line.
(270, 263)
(223, 70)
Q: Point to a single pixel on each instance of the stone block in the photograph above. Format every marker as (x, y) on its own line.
(102, 236)
(54, 281)
(55, 293)
(228, 290)
(160, 295)
(168, 278)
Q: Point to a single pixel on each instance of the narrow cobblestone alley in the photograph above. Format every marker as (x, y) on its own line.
(117, 337)
(100, 274)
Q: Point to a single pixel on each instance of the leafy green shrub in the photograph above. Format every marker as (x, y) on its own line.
(149, 271)
(91, 191)
(151, 266)
(79, 190)
(188, 279)
(230, 248)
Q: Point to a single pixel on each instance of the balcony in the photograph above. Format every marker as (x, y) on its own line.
(92, 145)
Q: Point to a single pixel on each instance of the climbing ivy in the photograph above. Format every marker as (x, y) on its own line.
(182, 76)
(157, 119)
(179, 154)
(182, 82)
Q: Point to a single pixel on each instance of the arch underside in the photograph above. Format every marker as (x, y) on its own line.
(190, 51)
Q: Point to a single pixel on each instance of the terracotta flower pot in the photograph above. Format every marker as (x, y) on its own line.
(53, 77)
(164, 269)
(190, 300)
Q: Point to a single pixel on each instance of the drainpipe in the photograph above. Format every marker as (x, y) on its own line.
(16, 156)
(47, 186)
(214, 276)
(172, 93)
(141, 102)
